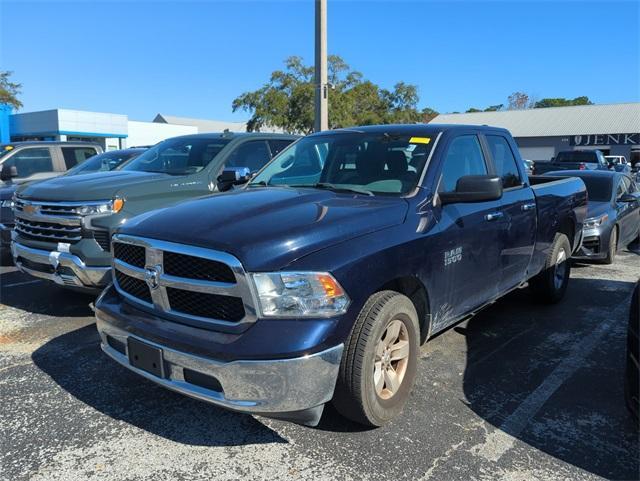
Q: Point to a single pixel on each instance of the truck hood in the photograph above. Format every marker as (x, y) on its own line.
(7, 190)
(268, 228)
(92, 186)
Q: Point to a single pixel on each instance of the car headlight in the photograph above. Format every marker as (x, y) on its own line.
(300, 294)
(111, 207)
(7, 203)
(595, 221)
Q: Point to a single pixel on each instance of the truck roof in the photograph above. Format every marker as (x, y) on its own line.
(412, 129)
(236, 135)
(50, 142)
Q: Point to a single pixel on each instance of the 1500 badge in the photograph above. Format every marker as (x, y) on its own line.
(454, 255)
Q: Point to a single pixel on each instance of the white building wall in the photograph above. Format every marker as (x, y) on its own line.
(150, 133)
(87, 123)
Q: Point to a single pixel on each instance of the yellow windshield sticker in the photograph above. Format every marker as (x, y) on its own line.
(8, 147)
(419, 140)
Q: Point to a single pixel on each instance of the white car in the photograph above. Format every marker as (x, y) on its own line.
(618, 163)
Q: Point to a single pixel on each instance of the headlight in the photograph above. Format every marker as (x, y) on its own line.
(7, 203)
(595, 221)
(300, 294)
(112, 207)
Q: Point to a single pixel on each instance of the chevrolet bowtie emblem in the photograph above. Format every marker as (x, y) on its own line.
(29, 209)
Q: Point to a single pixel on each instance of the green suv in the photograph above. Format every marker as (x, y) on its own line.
(64, 225)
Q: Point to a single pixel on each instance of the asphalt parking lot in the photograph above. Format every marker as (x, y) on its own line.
(520, 392)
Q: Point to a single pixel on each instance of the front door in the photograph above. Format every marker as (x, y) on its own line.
(517, 233)
(467, 241)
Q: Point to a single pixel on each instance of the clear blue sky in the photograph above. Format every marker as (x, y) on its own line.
(193, 58)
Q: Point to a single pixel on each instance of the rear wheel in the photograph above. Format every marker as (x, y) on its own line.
(613, 246)
(379, 363)
(550, 285)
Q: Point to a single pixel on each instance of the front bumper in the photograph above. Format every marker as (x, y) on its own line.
(63, 268)
(268, 387)
(593, 246)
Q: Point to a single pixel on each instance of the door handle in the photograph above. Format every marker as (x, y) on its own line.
(493, 216)
(527, 207)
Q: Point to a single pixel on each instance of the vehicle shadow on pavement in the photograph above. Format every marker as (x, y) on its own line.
(76, 363)
(553, 378)
(42, 297)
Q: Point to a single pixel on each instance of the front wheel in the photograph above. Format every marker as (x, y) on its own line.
(613, 246)
(550, 285)
(379, 362)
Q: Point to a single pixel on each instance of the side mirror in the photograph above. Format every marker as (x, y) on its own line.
(233, 176)
(474, 188)
(627, 198)
(8, 172)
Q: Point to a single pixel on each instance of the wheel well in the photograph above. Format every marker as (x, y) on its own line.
(414, 289)
(568, 228)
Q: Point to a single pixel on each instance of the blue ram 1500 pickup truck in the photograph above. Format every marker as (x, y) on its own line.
(319, 280)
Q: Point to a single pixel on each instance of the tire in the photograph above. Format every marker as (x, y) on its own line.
(357, 397)
(550, 285)
(613, 247)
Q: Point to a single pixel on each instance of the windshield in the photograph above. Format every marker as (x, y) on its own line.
(103, 162)
(578, 156)
(352, 162)
(179, 156)
(5, 149)
(599, 189)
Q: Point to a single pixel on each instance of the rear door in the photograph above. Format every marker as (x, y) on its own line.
(467, 272)
(517, 233)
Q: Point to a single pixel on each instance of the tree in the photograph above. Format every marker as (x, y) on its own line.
(287, 99)
(518, 101)
(428, 114)
(9, 91)
(494, 108)
(472, 110)
(562, 102)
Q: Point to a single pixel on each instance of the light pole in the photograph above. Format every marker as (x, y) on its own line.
(322, 91)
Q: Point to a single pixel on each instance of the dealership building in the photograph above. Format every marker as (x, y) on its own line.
(111, 131)
(542, 133)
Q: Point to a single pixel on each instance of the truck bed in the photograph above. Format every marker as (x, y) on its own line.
(557, 198)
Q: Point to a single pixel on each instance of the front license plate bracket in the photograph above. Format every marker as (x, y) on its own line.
(146, 357)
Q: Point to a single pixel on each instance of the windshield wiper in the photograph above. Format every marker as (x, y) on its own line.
(338, 188)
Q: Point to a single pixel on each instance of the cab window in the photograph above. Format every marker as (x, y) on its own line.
(253, 155)
(504, 161)
(464, 157)
(76, 155)
(31, 161)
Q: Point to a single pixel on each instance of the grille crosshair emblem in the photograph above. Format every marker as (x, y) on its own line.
(30, 209)
(152, 276)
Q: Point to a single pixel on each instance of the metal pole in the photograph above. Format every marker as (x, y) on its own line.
(322, 93)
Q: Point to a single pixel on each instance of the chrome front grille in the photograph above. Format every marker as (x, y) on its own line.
(48, 232)
(47, 221)
(191, 285)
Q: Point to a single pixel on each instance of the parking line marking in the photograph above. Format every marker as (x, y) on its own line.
(15, 284)
(499, 441)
